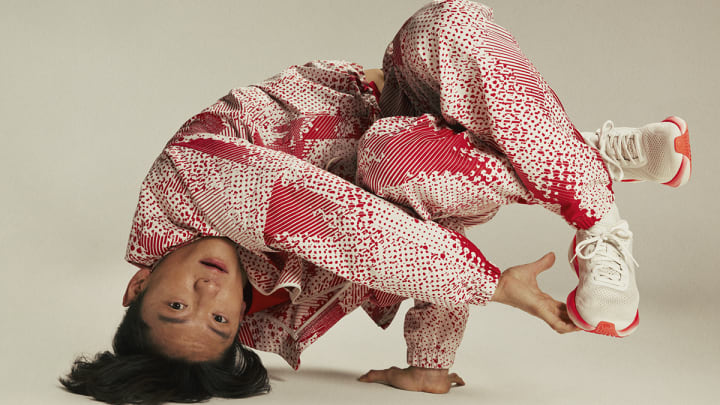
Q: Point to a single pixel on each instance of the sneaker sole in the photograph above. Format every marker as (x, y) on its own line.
(682, 147)
(602, 328)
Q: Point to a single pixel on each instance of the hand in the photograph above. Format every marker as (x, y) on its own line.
(432, 380)
(518, 287)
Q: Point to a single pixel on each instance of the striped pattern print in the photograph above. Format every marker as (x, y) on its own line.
(344, 209)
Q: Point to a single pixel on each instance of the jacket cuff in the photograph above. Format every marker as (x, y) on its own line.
(431, 355)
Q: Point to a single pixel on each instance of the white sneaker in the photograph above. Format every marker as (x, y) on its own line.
(658, 152)
(606, 299)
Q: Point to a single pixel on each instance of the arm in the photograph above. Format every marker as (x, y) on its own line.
(433, 334)
(267, 200)
(517, 287)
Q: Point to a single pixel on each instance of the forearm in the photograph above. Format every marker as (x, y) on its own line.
(267, 200)
(367, 240)
(433, 334)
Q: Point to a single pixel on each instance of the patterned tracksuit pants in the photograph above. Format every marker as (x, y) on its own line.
(497, 133)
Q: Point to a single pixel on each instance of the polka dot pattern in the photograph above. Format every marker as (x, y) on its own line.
(269, 167)
(421, 163)
(451, 60)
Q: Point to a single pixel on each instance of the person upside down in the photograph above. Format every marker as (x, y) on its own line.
(286, 205)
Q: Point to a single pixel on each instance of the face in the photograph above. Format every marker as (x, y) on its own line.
(193, 300)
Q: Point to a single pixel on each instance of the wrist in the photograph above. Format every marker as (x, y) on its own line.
(499, 294)
(430, 370)
(429, 374)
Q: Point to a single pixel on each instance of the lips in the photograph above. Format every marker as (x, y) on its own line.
(215, 264)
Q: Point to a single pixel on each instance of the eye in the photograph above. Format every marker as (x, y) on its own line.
(177, 306)
(220, 319)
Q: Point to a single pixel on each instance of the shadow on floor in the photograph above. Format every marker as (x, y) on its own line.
(313, 373)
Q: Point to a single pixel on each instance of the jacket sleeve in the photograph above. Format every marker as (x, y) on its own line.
(444, 176)
(433, 334)
(271, 201)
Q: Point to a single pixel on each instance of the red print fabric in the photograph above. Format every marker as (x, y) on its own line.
(344, 209)
(451, 60)
(274, 179)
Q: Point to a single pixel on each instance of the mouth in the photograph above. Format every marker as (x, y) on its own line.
(214, 264)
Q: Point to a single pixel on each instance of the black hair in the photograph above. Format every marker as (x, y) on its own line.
(138, 373)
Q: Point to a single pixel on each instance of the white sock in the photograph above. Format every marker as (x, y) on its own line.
(610, 219)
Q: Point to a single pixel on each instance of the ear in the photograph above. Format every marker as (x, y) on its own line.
(136, 285)
(243, 311)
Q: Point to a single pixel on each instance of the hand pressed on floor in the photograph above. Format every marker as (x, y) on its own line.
(432, 380)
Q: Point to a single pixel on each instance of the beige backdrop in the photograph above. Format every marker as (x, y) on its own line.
(91, 90)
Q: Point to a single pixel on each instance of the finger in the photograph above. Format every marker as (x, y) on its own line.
(571, 327)
(560, 326)
(374, 376)
(544, 263)
(455, 379)
(559, 320)
(563, 327)
(550, 312)
(563, 313)
(567, 324)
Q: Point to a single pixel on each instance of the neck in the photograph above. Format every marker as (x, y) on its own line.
(377, 76)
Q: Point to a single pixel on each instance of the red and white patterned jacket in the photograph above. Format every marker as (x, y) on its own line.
(271, 167)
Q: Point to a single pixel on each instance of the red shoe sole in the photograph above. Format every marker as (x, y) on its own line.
(602, 328)
(682, 146)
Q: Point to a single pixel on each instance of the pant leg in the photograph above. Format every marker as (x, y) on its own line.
(421, 163)
(451, 59)
(444, 176)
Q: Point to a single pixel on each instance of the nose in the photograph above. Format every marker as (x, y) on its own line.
(207, 285)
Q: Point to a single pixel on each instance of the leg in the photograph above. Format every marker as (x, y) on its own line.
(443, 176)
(420, 163)
(450, 58)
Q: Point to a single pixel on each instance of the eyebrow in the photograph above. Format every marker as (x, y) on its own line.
(176, 320)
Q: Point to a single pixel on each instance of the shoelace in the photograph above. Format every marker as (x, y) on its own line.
(608, 253)
(620, 147)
